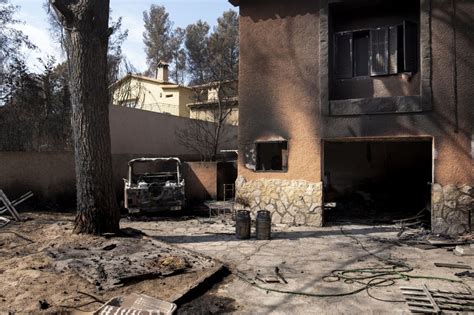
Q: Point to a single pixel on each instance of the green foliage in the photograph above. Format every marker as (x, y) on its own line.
(213, 57)
(37, 112)
(197, 51)
(35, 109)
(117, 65)
(163, 43)
(196, 54)
(223, 46)
(178, 55)
(157, 35)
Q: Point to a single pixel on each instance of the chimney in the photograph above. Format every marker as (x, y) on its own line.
(162, 72)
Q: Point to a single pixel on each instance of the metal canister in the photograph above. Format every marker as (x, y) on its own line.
(264, 225)
(242, 224)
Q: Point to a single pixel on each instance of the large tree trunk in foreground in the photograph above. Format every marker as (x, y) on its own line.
(86, 28)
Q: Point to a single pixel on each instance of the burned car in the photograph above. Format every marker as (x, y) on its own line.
(153, 185)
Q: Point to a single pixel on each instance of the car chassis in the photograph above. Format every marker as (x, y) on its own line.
(156, 191)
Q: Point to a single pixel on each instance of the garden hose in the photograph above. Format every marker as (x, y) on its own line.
(372, 277)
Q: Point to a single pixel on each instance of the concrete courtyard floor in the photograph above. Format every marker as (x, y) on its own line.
(305, 255)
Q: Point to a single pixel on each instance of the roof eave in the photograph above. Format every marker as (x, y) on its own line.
(163, 85)
(231, 100)
(212, 84)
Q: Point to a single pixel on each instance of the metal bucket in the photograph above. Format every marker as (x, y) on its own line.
(264, 225)
(242, 224)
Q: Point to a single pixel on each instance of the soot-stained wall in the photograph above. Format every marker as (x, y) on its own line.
(284, 91)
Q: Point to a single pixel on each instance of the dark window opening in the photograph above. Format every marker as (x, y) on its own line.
(410, 50)
(379, 51)
(361, 53)
(377, 181)
(272, 156)
(343, 58)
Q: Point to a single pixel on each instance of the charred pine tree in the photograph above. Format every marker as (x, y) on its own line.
(85, 23)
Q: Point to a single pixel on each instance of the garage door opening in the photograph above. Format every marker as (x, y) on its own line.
(376, 181)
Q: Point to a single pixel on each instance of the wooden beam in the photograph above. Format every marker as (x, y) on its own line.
(455, 266)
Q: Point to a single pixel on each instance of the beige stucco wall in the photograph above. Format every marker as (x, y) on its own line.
(278, 86)
(208, 115)
(153, 96)
(279, 91)
(185, 96)
(201, 181)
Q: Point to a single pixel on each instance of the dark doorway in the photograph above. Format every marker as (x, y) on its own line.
(376, 181)
(226, 176)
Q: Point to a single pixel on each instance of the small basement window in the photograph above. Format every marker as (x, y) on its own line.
(272, 156)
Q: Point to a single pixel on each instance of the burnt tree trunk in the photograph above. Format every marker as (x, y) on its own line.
(86, 28)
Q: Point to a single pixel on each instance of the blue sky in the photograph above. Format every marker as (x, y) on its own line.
(182, 13)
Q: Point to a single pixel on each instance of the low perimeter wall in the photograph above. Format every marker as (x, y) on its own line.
(134, 133)
(51, 176)
(200, 180)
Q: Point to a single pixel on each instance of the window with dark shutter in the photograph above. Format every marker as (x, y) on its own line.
(379, 51)
(410, 51)
(343, 60)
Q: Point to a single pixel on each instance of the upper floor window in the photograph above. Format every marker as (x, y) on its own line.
(378, 51)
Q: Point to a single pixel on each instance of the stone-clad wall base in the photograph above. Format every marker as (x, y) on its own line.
(451, 209)
(289, 201)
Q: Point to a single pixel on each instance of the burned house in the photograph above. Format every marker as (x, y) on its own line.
(367, 105)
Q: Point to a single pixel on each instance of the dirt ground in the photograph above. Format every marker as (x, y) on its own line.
(305, 256)
(29, 280)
